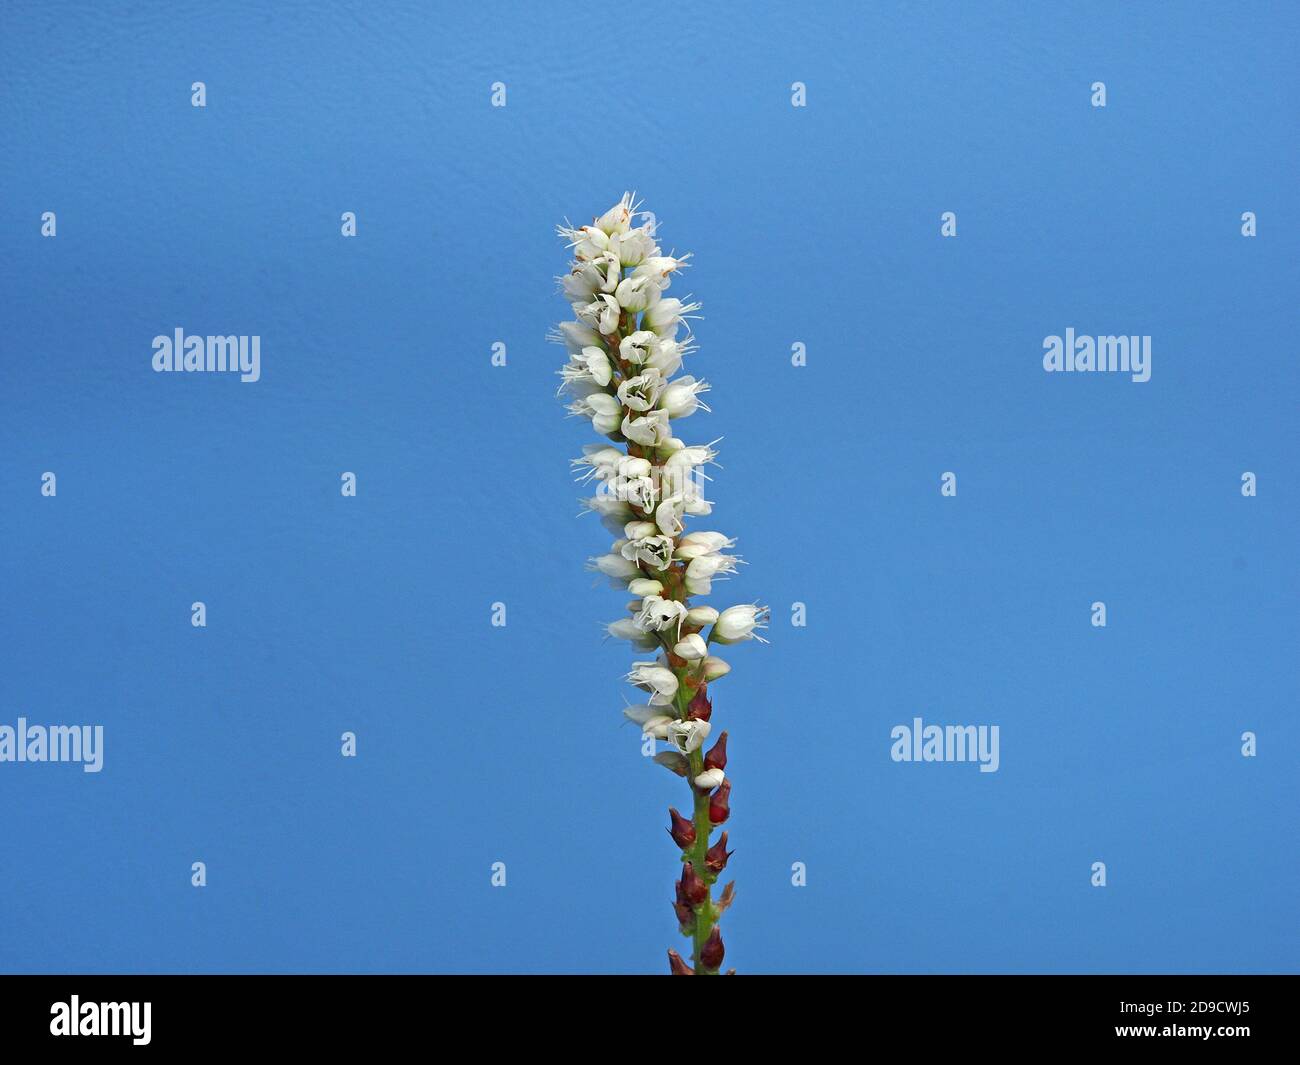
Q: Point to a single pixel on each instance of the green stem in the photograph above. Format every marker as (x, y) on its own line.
(705, 915)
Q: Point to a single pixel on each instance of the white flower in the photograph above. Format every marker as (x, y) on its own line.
(637, 347)
(587, 279)
(681, 397)
(696, 505)
(614, 513)
(648, 430)
(668, 516)
(605, 423)
(637, 245)
(690, 457)
(687, 736)
(656, 551)
(658, 614)
(675, 483)
(660, 681)
(701, 570)
(630, 466)
(659, 269)
(738, 623)
(706, 567)
(589, 369)
(575, 336)
(617, 218)
(639, 491)
(637, 293)
(601, 313)
(643, 714)
(601, 461)
(604, 410)
(710, 540)
(696, 544)
(587, 242)
(614, 565)
(710, 779)
(651, 719)
(692, 648)
(626, 629)
(664, 317)
(656, 725)
(597, 364)
(641, 393)
(666, 356)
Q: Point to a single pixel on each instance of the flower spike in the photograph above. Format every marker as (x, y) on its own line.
(625, 347)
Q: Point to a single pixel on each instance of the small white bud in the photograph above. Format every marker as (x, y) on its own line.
(715, 667)
(692, 648)
(710, 779)
(630, 466)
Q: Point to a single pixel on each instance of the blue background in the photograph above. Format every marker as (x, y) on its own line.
(481, 744)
